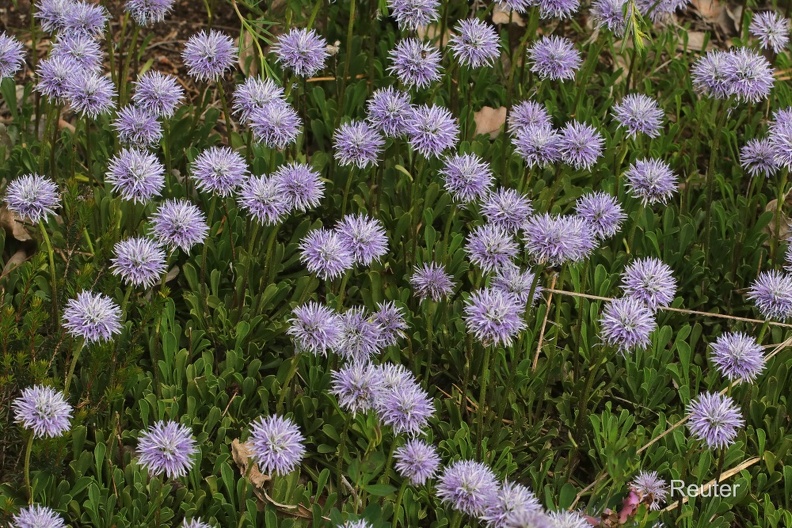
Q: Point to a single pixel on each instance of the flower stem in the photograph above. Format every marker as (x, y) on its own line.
(70, 375)
(295, 362)
(28, 450)
(397, 508)
(53, 275)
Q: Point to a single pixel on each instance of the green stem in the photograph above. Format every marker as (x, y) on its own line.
(70, 375)
(482, 403)
(710, 180)
(347, 189)
(347, 60)
(127, 61)
(295, 363)
(28, 450)
(397, 507)
(226, 114)
(342, 290)
(126, 301)
(779, 206)
(53, 274)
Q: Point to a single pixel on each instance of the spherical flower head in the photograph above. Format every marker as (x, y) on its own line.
(568, 519)
(301, 186)
(467, 177)
(510, 279)
(179, 224)
(510, 500)
(412, 14)
(611, 14)
(52, 14)
(137, 127)
(54, 74)
(219, 170)
(714, 419)
(158, 93)
(393, 377)
(709, 74)
(650, 488)
(324, 253)
(415, 63)
(467, 486)
(490, 247)
(493, 316)
(580, 145)
(475, 43)
(519, 6)
(507, 208)
(209, 55)
(364, 236)
(749, 75)
(738, 357)
(43, 410)
(758, 156)
(554, 58)
(301, 50)
(360, 523)
(539, 145)
(276, 445)
(651, 180)
(391, 319)
(431, 281)
(651, 281)
(90, 94)
(626, 324)
(255, 93)
(11, 55)
(771, 29)
(360, 336)
(554, 240)
(357, 144)
(388, 111)
(639, 114)
(276, 125)
(167, 447)
(602, 212)
(772, 294)
(355, 385)
(195, 523)
(558, 8)
(136, 174)
(431, 130)
(82, 49)
(32, 197)
(527, 114)
(416, 461)
(314, 328)
(148, 12)
(35, 516)
(781, 142)
(94, 317)
(86, 18)
(139, 262)
(407, 410)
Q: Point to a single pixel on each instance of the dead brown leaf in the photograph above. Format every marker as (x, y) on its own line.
(490, 120)
(431, 33)
(14, 262)
(241, 454)
(715, 15)
(503, 16)
(247, 54)
(10, 222)
(784, 227)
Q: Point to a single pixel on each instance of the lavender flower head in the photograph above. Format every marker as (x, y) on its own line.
(360, 523)
(35, 516)
(52, 14)
(355, 386)
(388, 111)
(467, 177)
(360, 337)
(83, 17)
(276, 444)
(301, 186)
(709, 74)
(276, 125)
(650, 487)
(431, 281)
(167, 447)
(11, 55)
(136, 174)
(137, 127)
(255, 93)
(431, 130)
(650, 281)
(416, 461)
(580, 145)
(749, 75)
(758, 156)
(519, 6)
(32, 197)
(415, 63)
(412, 14)
(639, 114)
(158, 93)
(94, 317)
(195, 523)
(490, 247)
(178, 223)
(527, 114)
(139, 262)
(507, 208)
(510, 500)
(772, 294)
(651, 180)
(43, 410)
(54, 74)
(510, 279)
(493, 317)
(539, 145)
(406, 410)
(325, 254)
(611, 14)
(554, 240)
(392, 377)
(90, 94)
(558, 8)
(781, 141)
(315, 328)
(364, 236)
(148, 12)
(714, 419)
(391, 319)
(602, 212)
(301, 50)
(219, 170)
(554, 58)
(475, 43)
(208, 55)
(771, 29)
(81, 49)
(738, 356)
(467, 486)
(627, 323)
(357, 144)
(568, 519)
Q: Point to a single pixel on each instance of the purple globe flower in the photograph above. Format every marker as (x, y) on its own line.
(139, 262)
(195, 523)
(525, 518)
(355, 385)
(554, 58)
(490, 247)
(431, 130)
(302, 51)
(602, 212)
(208, 55)
(314, 328)
(658, 11)
(32, 197)
(510, 279)
(475, 43)
(83, 17)
(415, 63)
(158, 93)
(179, 224)
(651, 180)
(714, 419)
(416, 461)
(507, 208)
(388, 111)
(539, 145)
(772, 294)
(301, 186)
(35, 516)
(137, 127)
(639, 114)
(749, 75)
(276, 444)
(255, 93)
(52, 14)
(12, 55)
(276, 125)
(219, 170)
(43, 410)
(83, 50)
(651, 488)
(611, 14)
(364, 236)
(520, 6)
(94, 317)
(412, 14)
(360, 523)
(758, 156)
(558, 8)
(148, 12)
(528, 114)
(135, 174)
(406, 410)
(357, 144)
(781, 142)
(709, 74)
(568, 519)
(580, 145)
(391, 319)
(650, 281)
(493, 317)
(626, 324)
(738, 356)
(360, 337)
(554, 240)
(393, 377)
(167, 447)
(467, 486)
(510, 500)
(771, 29)
(431, 281)
(324, 253)
(467, 177)
(54, 74)
(90, 94)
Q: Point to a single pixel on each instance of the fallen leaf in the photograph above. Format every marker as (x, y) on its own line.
(503, 16)
(247, 54)
(695, 41)
(784, 228)
(15, 261)
(172, 274)
(241, 453)
(10, 222)
(490, 120)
